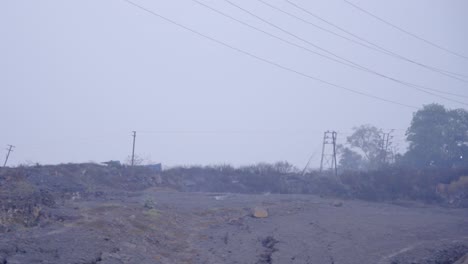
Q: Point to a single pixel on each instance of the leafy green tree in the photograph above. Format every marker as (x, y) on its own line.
(350, 160)
(438, 137)
(368, 140)
(365, 149)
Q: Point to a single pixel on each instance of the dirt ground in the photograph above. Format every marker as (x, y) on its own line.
(165, 226)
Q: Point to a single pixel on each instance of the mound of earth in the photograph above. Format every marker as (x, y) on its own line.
(91, 214)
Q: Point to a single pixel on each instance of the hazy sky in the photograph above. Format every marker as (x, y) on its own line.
(76, 77)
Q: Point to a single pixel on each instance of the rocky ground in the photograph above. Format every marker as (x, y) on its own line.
(160, 225)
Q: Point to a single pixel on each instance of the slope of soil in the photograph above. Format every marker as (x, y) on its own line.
(88, 218)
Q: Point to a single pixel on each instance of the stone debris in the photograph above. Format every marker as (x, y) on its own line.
(221, 197)
(260, 212)
(337, 203)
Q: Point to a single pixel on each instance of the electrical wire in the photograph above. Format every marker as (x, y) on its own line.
(317, 26)
(405, 31)
(310, 159)
(227, 132)
(415, 86)
(371, 45)
(311, 51)
(447, 73)
(326, 30)
(277, 65)
(272, 35)
(305, 48)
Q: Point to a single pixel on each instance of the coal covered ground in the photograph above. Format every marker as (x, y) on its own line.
(162, 225)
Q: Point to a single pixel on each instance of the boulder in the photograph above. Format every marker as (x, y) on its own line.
(260, 212)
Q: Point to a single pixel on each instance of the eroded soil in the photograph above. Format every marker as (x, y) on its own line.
(164, 226)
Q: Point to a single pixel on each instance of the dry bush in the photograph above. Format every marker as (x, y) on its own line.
(398, 183)
(388, 184)
(456, 192)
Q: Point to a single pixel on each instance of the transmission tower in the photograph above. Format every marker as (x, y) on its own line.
(385, 144)
(328, 160)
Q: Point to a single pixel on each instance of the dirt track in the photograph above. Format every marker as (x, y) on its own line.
(309, 229)
(164, 226)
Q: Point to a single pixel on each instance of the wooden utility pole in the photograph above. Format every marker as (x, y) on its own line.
(334, 136)
(133, 149)
(9, 149)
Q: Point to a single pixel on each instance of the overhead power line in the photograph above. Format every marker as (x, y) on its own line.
(343, 130)
(277, 65)
(405, 31)
(351, 63)
(317, 26)
(309, 50)
(272, 35)
(372, 46)
(369, 44)
(316, 150)
(451, 74)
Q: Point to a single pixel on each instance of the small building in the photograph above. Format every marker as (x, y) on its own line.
(112, 163)
(155, 167)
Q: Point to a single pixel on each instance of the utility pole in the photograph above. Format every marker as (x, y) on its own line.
(9, 149)
(328, 160)
(133, 149)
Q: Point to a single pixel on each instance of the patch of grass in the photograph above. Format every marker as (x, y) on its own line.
(153, 213)
(149, 203)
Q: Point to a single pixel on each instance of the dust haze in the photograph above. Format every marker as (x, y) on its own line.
(234, 131)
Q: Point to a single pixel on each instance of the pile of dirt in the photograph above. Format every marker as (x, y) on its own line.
(159, 225)
(89, 178)
(22, 204)
(27, 194)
